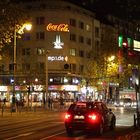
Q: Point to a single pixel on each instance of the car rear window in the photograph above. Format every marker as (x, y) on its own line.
(82, 106)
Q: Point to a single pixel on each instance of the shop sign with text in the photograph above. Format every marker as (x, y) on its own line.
(57, 58)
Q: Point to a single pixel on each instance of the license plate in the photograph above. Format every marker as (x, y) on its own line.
(79, 117)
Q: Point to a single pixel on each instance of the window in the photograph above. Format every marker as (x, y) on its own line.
(73, 52)
(26, 67)
(96, 32)
(73, 67)
(73, 22)
(72, 37)
(81, 68)
(11, 67)
(81, 53)
(88, 41)
(1, 68)
(81, 25)
(26, 51)
(40, 35)
(26, 36)
(88, 28)
(40, 20)
(81, 39)
(40, 66)
(97, 46)
(40, 51)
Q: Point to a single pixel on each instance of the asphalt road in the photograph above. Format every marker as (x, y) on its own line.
(44, 125)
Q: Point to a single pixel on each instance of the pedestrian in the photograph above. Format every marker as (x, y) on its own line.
(50, 102)
(61, 103)
(4, 101)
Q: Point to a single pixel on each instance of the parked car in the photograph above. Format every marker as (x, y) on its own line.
(92, 117)
(124, 102)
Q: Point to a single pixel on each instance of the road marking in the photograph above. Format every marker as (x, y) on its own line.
(53, 135)
(123, 124)
(21, 135)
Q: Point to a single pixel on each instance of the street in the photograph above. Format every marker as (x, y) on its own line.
(43, 125)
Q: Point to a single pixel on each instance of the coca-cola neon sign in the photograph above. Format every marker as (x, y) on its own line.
(57, 27)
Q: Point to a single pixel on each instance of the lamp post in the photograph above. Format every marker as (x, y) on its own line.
(28, 27)
(47, 52)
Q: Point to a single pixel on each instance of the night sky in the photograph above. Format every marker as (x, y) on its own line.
(125, 9)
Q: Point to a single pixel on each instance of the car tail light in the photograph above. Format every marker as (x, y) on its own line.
(67, 116)
(93, 117)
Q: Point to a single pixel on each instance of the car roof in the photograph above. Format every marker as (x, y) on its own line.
(87, 102)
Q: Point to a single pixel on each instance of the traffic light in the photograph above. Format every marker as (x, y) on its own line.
(125, 44)
(120, 41)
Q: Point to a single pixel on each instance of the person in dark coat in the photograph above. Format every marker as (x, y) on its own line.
(50, 102)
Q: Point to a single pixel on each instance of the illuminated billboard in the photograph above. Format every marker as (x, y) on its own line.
(136, 45)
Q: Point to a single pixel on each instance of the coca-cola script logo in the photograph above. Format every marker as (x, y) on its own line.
(57, 27)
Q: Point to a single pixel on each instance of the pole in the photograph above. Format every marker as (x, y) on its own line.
(14, 71)
(46, 77)
(138, 98)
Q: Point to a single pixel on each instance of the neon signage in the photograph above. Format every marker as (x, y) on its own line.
(57, 43)
(57, 58)
(57, 27)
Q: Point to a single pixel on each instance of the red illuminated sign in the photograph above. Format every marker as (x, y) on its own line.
(57, 27)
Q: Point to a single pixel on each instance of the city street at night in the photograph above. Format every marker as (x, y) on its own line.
(49, 124)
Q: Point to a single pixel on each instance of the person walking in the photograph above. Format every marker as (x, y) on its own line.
(61, 103)
(50, 103)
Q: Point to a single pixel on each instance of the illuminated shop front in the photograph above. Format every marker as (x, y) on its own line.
(3, 92)
(68, 92)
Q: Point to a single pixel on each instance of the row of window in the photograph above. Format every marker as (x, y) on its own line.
(41, 51)
(63, 80)
(73, 22)
(73, 37)
(40, 67)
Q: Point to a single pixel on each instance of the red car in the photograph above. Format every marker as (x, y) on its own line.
(89, 117)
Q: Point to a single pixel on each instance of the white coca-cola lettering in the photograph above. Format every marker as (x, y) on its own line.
(57, 27)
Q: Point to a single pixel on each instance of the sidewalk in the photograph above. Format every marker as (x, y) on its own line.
(31, 110)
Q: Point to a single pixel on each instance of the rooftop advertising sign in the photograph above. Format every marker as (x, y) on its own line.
(57, 27)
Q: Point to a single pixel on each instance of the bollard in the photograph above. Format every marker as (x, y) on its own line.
(2, 111)
(135, 121)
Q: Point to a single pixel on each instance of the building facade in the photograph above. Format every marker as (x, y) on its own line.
(53, 57)
(56, 52)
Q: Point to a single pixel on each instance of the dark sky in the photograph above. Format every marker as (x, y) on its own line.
(126, 9)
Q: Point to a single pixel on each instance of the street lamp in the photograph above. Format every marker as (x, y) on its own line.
(28, 27)
(47, 52)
